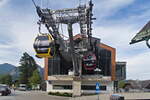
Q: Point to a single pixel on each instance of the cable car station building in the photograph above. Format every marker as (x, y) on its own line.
(59, 76)
(75, 65)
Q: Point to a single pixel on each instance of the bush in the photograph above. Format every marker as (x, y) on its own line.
(65, 94)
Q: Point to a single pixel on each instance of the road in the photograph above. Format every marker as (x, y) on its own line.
(31, 95)
(39, 95)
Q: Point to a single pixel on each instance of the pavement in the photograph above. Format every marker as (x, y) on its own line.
(40, 95)
(127, 96)
(31, 95)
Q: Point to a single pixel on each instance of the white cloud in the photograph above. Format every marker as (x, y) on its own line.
(138, 66)
(3, 2)
(4, 46)
(7, 55)
(109, 7)
(21, 29)
(117, 36)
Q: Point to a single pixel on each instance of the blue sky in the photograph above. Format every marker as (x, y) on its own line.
(117, 22)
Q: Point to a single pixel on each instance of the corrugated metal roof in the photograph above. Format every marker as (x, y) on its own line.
(142, 35)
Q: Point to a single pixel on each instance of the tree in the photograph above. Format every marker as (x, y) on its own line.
(26, 68)
(35, 79)
(121, 84)
(6, 79)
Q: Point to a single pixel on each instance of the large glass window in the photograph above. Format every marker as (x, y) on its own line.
(62, 87)
(121, 70)
(92, 87)
(58, 66)
(54, 66)
(105, 62)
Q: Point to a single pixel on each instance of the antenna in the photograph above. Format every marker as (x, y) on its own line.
(79, 2)
(41, 4)
(34, 3)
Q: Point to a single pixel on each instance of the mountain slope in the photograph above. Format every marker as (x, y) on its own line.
(14, 71)
(6, 68)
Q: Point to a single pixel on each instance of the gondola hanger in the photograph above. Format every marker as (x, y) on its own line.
(39, 23)
(44, 44)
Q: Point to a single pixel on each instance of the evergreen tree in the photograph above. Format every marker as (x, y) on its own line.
(26, 68)
(35, 79)
(6, 79)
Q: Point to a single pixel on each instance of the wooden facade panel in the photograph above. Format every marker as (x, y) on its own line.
(113, 59)
(46, 69)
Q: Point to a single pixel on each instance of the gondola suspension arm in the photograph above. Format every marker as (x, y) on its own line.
(147, 42)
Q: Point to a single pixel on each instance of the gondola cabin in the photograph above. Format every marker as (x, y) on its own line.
(44, 46)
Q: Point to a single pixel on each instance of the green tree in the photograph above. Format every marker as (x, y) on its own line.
(121, 84)
(6, 79)
(26, 68)
(35, 79)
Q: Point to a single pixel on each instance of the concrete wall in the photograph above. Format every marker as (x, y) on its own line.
(109, 88)
(51, 83)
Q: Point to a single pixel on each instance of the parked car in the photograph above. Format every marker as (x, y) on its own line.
(22, 87)
(4, 90)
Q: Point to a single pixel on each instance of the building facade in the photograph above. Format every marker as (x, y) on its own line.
(59, 77)
(120, 74)
(120, 71)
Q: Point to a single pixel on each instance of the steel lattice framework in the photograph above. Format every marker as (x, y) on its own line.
(82, 15)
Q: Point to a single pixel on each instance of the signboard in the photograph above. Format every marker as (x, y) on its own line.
(97, 88)
(144, 34)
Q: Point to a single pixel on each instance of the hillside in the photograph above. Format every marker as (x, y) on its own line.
(14, 71)
(6, 68)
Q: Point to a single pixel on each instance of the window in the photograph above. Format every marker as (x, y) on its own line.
(92, 87)
(105, 62)
(62, 87)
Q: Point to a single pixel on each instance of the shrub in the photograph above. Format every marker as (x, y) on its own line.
(65, 94)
